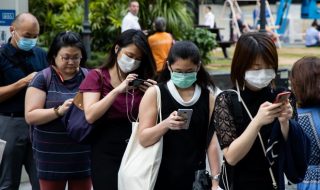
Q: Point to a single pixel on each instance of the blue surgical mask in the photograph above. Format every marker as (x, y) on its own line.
(183, 80)
(26, 44)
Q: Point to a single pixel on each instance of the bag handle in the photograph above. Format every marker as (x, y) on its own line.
(158, 102)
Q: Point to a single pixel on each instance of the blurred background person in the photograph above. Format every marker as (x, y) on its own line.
(305, 82)
(209, 17)
(312, 37)
(60, 160)
(160, 43)
(131, 20)
(112, 103)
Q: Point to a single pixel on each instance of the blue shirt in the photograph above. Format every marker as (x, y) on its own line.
(16, 64)
(312, 36)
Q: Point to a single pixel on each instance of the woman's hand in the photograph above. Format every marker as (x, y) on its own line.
(125, 83)
(267, 113)
(286, 112)
(143, 87)
(175, 122)
(65, 106)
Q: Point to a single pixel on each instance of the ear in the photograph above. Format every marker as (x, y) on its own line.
(116, 49)
(11, 28)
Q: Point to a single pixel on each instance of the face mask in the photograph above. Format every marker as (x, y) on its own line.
(128, 64)
(259, 78)
(26, 44)
(183, 80)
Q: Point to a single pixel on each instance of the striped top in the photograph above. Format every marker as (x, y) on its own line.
(57, 156)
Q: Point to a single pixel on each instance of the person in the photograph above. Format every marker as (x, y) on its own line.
(131, 20)
(312, 38)
(305, 81)
(243, 115)
(183, 85)
(20, 59)
(59, 159)
(256, 15)
(160, 43)
(209, 17)
(112, 103)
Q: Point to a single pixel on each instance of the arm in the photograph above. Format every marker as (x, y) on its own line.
(35, 114)
(241, 145)
(94, 107)
(8, 91)
(149, 131)
(213, 150)
(214, 158)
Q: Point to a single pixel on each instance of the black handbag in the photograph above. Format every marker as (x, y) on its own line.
(202, 181)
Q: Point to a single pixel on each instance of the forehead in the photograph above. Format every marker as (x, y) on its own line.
(132, 48)
(134, 4)
(27, 26)
(70, 50)
(183, 64)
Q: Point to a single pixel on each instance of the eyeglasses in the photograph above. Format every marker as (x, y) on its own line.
(73, 59)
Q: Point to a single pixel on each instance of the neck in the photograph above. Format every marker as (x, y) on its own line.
(186, 93)
(116, 75)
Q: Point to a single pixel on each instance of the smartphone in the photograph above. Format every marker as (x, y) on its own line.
(136, 82)
(186, 113)
(282, 97)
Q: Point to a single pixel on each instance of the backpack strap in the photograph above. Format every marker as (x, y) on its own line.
(47, 74)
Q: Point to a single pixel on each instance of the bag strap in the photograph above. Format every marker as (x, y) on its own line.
(159, 102)
(274, 183)
(47, 74)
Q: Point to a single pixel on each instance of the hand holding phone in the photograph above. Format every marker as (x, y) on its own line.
(136, 82)
(186, 113)
(282, 97)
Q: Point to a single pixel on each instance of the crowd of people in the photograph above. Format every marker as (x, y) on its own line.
(261, 136)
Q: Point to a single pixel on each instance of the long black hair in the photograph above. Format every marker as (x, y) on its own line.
(147, 67)
(187, 50)
(66, 39)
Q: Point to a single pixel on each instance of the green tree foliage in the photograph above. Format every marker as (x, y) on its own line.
(204, 39)
(105, 18)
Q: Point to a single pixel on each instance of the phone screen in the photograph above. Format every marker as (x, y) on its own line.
(282, 97)
(186, 113)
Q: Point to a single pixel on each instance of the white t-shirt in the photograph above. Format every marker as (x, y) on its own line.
(130, 21)
(209, 19)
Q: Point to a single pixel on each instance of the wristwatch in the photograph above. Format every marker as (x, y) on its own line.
(56, 111)
(216, 177)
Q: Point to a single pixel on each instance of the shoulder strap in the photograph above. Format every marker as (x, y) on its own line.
(47, 75)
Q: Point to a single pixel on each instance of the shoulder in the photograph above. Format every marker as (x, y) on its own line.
(39, 81)
(92, 81)
(39, 51)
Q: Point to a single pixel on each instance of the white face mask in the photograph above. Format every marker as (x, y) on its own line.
(128, 64)
(259, 78)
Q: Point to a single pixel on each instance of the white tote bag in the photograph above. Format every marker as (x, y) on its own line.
(139, 166)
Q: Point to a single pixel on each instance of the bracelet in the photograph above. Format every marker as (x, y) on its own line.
(56, 111)
(216, 177)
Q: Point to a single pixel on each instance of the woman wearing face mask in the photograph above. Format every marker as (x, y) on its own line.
(183, 85)
(251, 162)
(111, 103)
